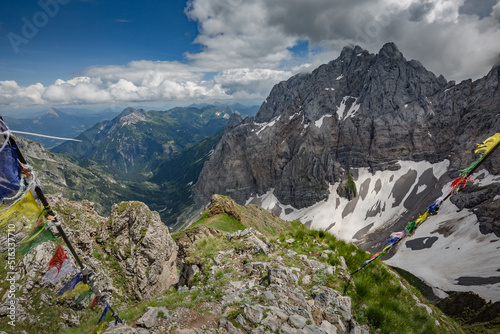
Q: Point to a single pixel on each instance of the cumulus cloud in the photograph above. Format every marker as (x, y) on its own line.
(247, 47)
(249, 83)
(455, 38)
(12, 94)
(142, 83)
(237, 34)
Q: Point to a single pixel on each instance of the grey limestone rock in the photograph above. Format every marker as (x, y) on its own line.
(286, 329)
(253, 313)
(282, 275)
(310, 329)
(150, 252)
(186, 274)
(297, 321)
(328, 327)
(150, 317)
(272, 322)
(359, 110)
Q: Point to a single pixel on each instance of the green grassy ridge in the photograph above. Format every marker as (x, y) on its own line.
(380, 297)
(377, 293)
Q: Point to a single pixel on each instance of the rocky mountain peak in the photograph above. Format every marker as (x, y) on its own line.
(349, 51)
(398, 130)
(52, 112)
(130, 116)
(391, 51)
(127, 111)
(359, 110)
(233, 121)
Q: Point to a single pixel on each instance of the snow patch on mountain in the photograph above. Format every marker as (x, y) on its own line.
(319, 122)
(348, 107)
(459, 258)
(445, 250)
(263, 126)
(382, 199)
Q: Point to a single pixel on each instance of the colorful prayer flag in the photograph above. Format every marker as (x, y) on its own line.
(460, 181)
(104, 313)
(10, 176)
(391, 241)
(24, 211)
(38, 236)
(422, 218)
(70, 285)
(99, 329)
(58, 258)
(77, 290)
(398, 234)
(486, 146)
(94, 302)
(54, 275)
(83, 296)
(411, 227)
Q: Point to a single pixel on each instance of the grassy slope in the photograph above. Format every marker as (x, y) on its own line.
(380, 297)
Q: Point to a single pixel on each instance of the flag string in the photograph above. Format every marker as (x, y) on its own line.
(15, 173)
(486, 148)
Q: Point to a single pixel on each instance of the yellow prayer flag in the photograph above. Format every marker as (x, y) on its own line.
(422, 218)
(486, 146)
(24, 211)
(79, 288)
(99, 328)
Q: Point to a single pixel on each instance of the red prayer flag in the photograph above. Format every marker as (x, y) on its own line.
(94, 302)
(58, 258)
(460, 181)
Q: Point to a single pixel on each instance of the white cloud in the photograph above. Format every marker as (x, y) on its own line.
(12, 94)
(247, 48)
(236, 34)
(250, 84)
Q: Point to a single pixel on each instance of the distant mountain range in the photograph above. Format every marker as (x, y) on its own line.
(55, 122)
(156, 156)
(137, 141)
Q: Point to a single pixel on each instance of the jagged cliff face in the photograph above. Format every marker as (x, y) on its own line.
(360, 110)
(401, 132)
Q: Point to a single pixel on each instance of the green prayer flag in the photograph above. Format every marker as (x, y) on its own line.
(471, 166)
(410, 228)
(83, 296)
(38, 236)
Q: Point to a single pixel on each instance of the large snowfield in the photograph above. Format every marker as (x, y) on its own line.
(447, 251)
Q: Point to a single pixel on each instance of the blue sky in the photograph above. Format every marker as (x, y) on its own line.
(108, 53)
(86, 33)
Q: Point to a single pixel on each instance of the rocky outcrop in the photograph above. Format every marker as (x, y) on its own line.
(260, 297)
(288, 288)
(187, 240)
(469, 308)
(144, 248)
(221, 204)
(360, 110)
(131, 254)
